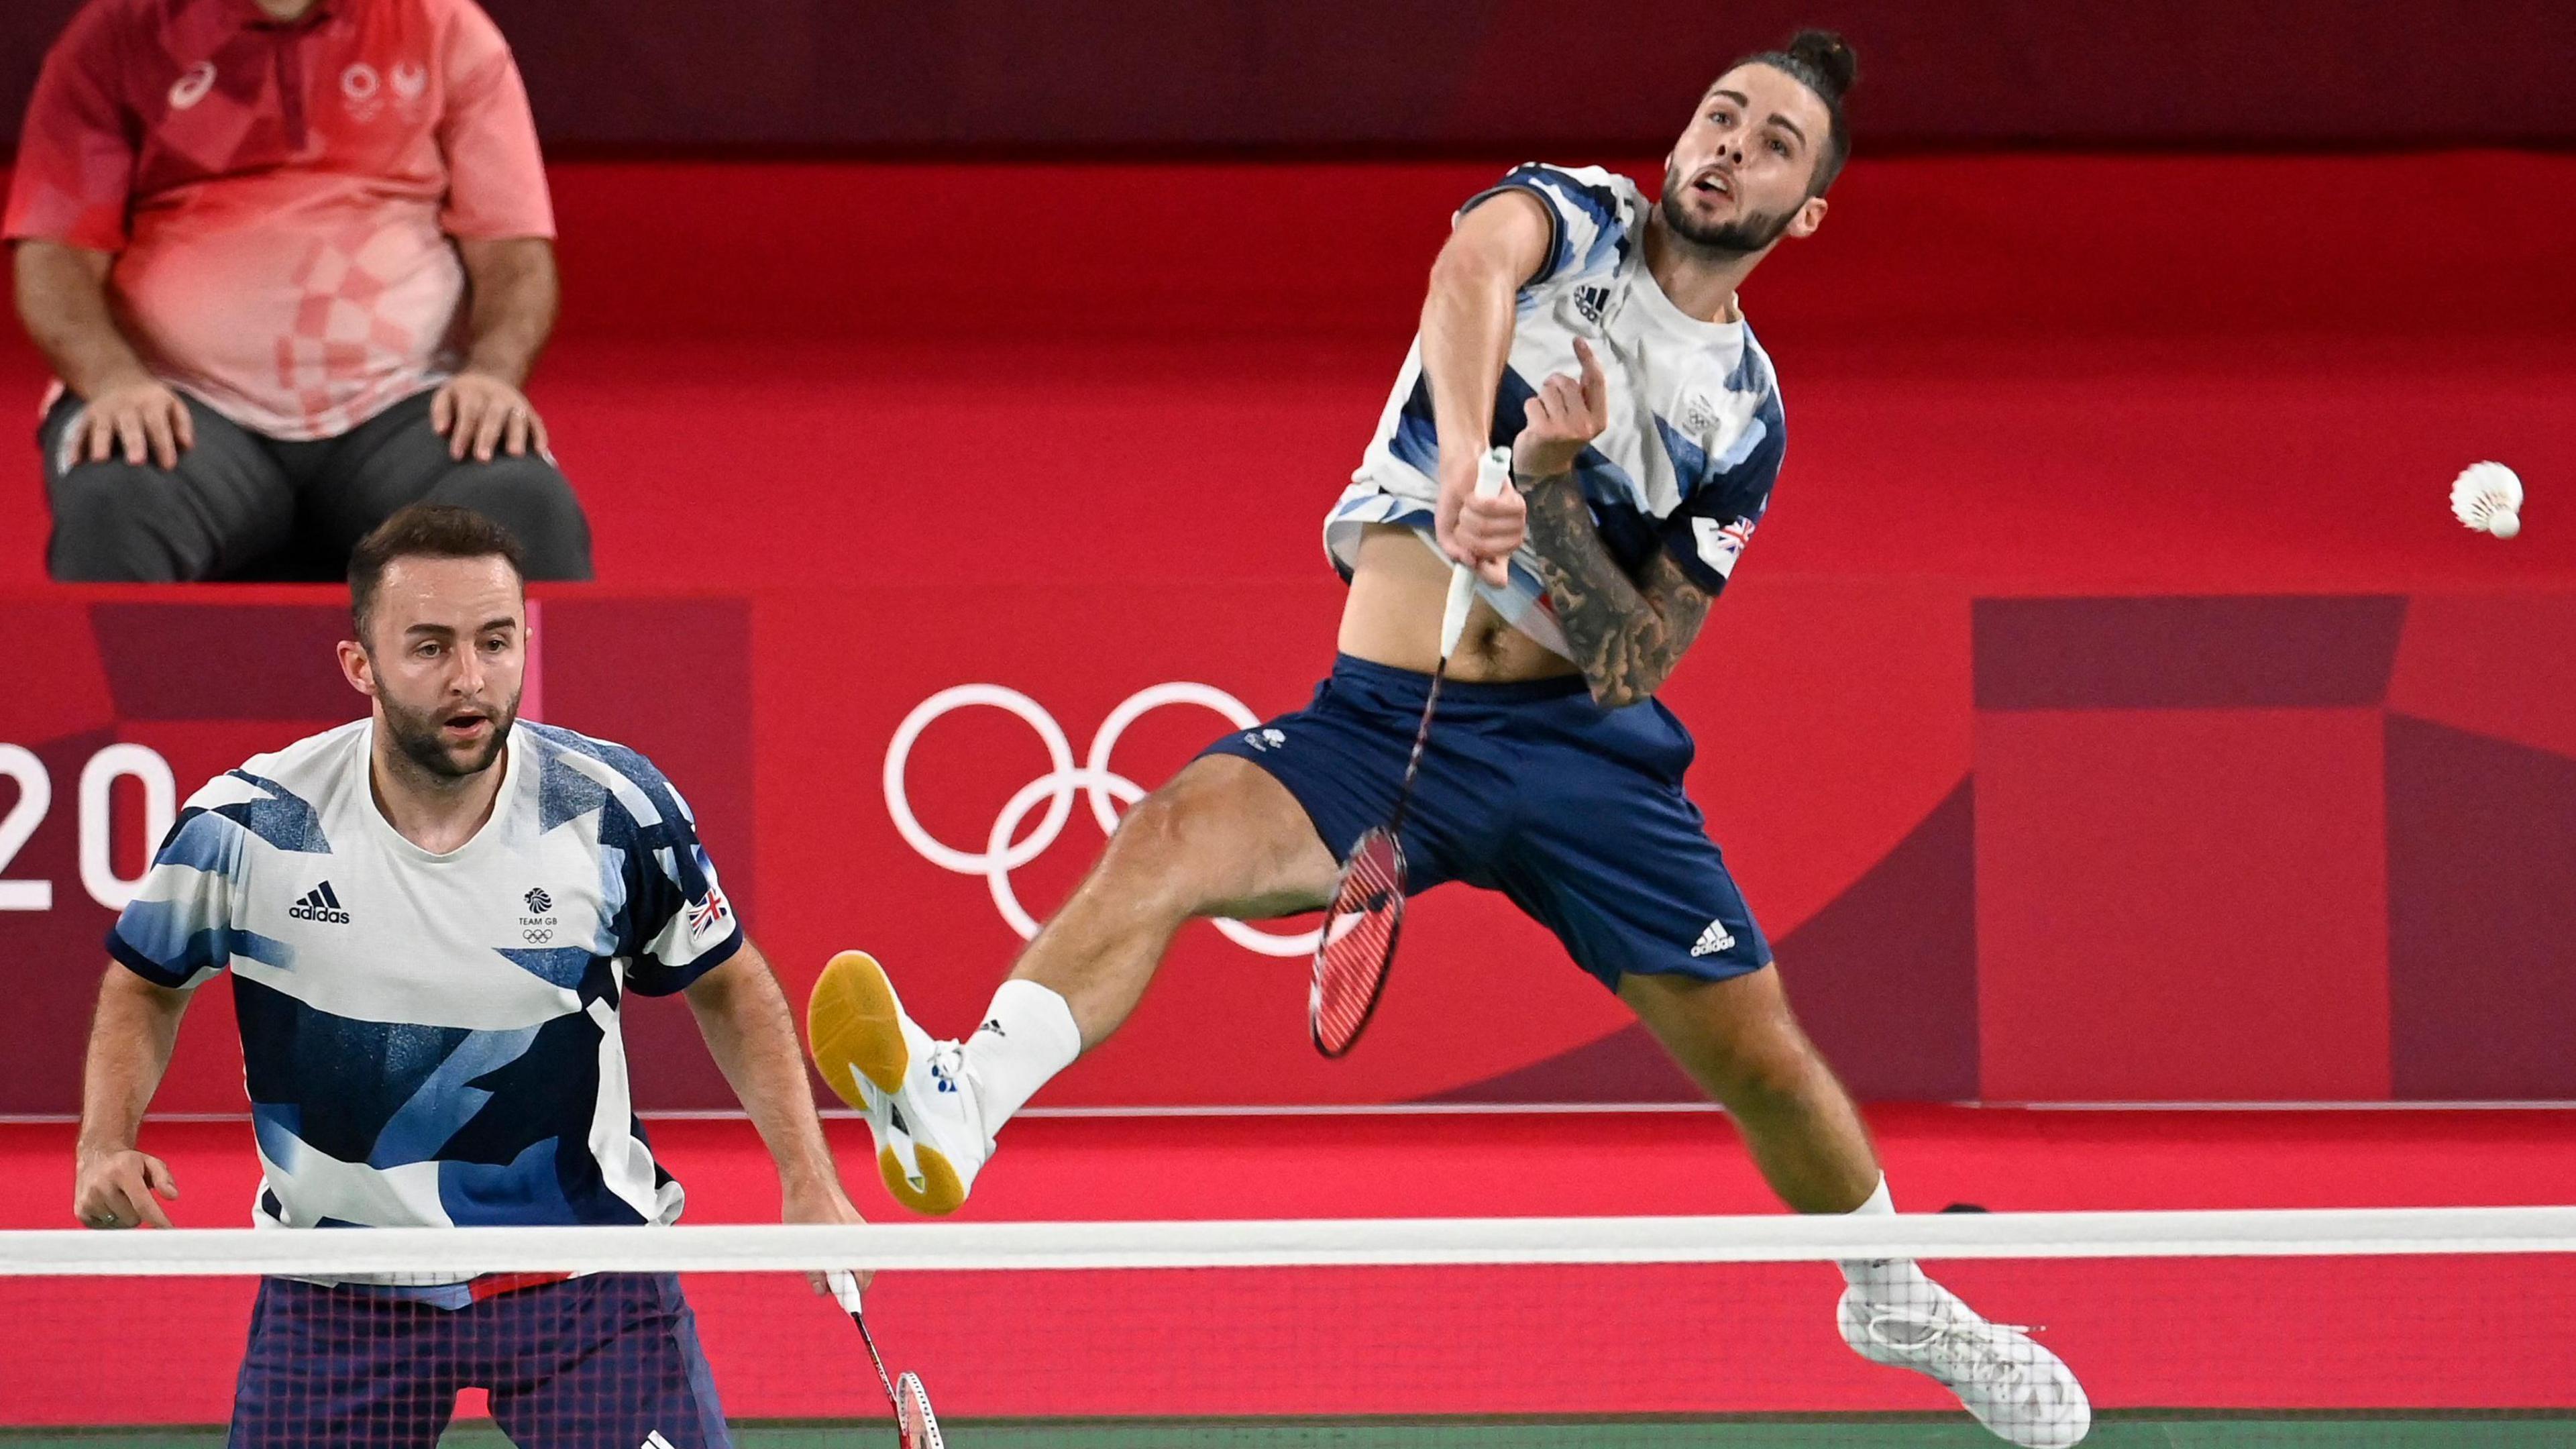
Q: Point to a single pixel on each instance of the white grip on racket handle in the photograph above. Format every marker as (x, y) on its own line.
(845, 1288)
(1493, 473)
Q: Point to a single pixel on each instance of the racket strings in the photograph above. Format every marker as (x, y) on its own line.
(1359, 943)
(1367, 914)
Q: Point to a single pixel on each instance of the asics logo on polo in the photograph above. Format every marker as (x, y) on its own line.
(192, 86)
(320, 904)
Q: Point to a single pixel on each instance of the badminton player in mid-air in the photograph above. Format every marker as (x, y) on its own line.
(1596, 332)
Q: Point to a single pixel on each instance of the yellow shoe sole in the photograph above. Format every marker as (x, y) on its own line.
(852, 1023)
(853, 1028)
(939, 1193)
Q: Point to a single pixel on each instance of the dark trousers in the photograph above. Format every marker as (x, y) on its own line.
(244, 506)
(605, 1362)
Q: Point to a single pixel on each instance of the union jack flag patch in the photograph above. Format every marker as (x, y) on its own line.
(710, 913)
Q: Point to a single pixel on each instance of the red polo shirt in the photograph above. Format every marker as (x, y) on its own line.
(281, 197)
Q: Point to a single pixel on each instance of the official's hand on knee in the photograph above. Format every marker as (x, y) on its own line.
(139, 418)
(482, 415)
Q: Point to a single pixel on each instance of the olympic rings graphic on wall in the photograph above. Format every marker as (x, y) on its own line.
(1104, 788)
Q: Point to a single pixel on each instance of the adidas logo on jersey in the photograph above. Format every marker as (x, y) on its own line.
(320, 904)
(1713, 940)
(1591, 302)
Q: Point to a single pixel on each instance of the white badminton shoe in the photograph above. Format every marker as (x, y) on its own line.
(920, 1103)
(2020, 1391)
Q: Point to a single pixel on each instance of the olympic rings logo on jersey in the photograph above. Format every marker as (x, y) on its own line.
(1105, 789)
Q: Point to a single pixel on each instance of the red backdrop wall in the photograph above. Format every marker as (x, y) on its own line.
(2287, 848)
(2108, 710)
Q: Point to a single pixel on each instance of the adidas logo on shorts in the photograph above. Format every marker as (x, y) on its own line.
(320, 904)
(1713, 940)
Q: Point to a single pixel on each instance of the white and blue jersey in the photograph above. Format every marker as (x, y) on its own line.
(432, 1040)
(1695, 433)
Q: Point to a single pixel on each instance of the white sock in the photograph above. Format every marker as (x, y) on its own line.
(1892, 1281)
(1028, 1035)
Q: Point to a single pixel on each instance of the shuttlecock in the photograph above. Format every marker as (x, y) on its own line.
(2488, 498)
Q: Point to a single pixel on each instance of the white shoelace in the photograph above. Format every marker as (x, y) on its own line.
(948, 1064)
(948, 1068)
(1960, 1349)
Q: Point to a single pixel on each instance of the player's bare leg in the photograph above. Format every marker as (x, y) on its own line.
(1222, 839)
(1738, 1040)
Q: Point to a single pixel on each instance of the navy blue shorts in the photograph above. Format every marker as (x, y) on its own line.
(1574, 811)
(601, 1362)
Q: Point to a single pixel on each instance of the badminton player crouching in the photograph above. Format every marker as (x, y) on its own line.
(1596, 331)
(431, 917)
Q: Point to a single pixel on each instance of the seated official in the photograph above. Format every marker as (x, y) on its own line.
(292, 262)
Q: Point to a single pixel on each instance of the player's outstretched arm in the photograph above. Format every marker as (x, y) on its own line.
(752, 1036)
(1496, 248)
(130, 1042)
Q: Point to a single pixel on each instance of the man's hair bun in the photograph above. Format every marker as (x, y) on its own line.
(1830, 57)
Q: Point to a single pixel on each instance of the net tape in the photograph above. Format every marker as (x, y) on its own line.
(1369, 1242)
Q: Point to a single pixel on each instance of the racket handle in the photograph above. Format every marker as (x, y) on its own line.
(845, 1288)
(1493, 471)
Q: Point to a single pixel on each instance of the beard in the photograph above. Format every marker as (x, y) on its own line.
(1739, 237)
(418, 735)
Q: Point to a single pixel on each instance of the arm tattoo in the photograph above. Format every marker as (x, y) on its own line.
(1627, 634)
